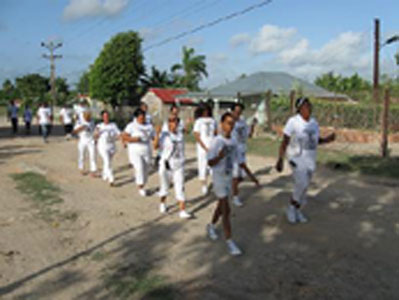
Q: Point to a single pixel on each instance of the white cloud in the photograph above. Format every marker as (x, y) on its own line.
(271, 39)
(347, 53)
(239, 39)
(77, 9)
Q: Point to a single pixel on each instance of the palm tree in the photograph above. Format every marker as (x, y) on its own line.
(158, 79)
(193, 67)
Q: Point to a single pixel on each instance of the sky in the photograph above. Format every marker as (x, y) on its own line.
(303, 38)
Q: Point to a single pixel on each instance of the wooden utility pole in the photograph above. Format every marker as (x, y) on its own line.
(51, 46)
(292, 102)
(385, 125)
(376, 70)
(268, 109)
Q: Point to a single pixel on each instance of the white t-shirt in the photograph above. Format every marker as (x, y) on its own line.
(172, 149)
(206, 128)
(87, 133)
(108, 134)
(79, 110)
(44, 115)
(145, 132)
(180, 127)
(241, 133)
(66, 114)
(304, 141)
(225, 166)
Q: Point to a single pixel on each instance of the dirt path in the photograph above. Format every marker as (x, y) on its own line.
(120, 244)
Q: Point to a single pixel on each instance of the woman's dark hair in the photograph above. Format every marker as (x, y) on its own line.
(197, 112)
(103, 112)
(173, 106)
(226, 115)
(207, 110)
(299, 102)
(239, 104)
(138, 112)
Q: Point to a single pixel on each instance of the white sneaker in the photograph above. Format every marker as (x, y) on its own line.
(300, 217)
(291, 214)
(143, 193)
(184, 215)
(237, 202)
(210, 229)
(204, 190)
(162, 208)
(233, 248)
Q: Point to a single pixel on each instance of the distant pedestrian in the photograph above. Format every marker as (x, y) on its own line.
(45, 119)
(27, 119)
(13, 116)
(66, 119)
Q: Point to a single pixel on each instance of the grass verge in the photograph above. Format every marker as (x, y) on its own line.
(134, 282)
(44, 194)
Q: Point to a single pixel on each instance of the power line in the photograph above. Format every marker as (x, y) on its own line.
(208, 25)
(51, 46)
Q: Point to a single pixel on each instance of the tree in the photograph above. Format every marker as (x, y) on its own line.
(8, 92)
(158, 79)
(115, 75)
(329, 81)
(193, 68)
(32, 87)
(83, 85)
(62, 89)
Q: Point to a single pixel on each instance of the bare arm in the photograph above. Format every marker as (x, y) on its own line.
(283, 149)
(79, 129)
(214, 161)
(328, 139)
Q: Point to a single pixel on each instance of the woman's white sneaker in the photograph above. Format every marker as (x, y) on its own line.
(184, 215)
(300, 217)
(233, 248)
(210, 229)
(162, 208)
(237, 202)
(143, 193)
(204, 190)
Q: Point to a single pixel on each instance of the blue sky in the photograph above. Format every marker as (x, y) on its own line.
(305, 38)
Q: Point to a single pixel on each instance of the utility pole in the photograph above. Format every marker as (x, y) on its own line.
(376, 71)
(51, 46)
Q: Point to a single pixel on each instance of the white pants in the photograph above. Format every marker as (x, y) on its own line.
(141, 164)
(89, 145)
(221, 185)
(203, 167)
(106, 154)
(302, 177)
(177, 179)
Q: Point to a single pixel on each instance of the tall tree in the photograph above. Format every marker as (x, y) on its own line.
(115, 75)
(83, 85)
(33, 87)
(62, 89)
(193, 68)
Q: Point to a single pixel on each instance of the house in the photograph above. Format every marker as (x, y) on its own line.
(159, 100)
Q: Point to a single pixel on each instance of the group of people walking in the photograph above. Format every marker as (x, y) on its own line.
(221, 154)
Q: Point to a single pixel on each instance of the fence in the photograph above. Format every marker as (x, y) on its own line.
(360, 127)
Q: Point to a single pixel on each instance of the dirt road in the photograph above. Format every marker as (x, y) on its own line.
(118, 245)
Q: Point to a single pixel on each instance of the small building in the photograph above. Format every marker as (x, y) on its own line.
(159, 100)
